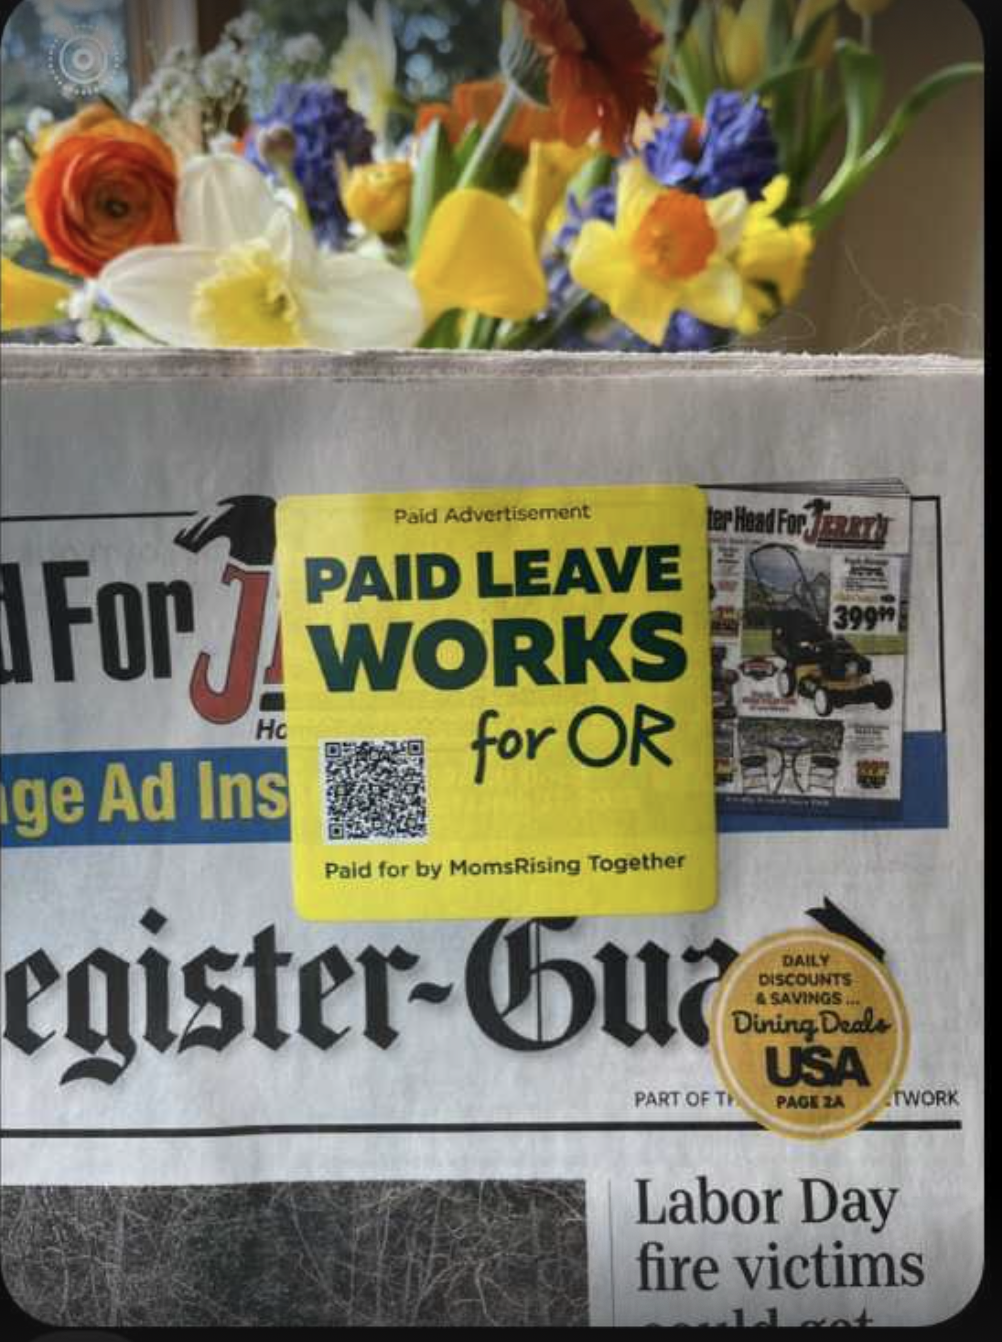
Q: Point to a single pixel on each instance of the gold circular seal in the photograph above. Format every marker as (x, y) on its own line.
(809, 1034)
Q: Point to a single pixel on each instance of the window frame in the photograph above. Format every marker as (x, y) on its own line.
(152, 28)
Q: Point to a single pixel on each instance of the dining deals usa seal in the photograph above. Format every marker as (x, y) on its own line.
(809, 1034)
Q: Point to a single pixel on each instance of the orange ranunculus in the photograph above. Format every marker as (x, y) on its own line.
(101, 187)
(91, 115)
(474, 103)
(601, 68)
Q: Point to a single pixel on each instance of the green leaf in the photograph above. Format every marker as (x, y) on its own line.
(443, 333)
(694, 79)
(863, 83)
(779, 81)
(703, 31)
(801, 47)
(503, 174)
(777, 33)
(434, 176)
(853, 174)
(680, 15)
(862, 90)
(491, 143)
(782, 89)
(916, 102)
(824, 121)
(480, 333)
(541, 334)
(467, 147)
(672, 92)
(595, 173)
(690, 81)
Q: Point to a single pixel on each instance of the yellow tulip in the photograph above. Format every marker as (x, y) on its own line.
(479, 253)
(28, 299)
(742, 38)
(824, 45)
(867, 8)
(770, 255)
(550, 170)
(378, 195)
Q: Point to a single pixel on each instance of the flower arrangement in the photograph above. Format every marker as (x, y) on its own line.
(642, 174)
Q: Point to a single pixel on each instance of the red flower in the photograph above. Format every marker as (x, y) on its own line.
(601, 69)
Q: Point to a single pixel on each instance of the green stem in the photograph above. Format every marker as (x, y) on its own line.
(480, 333)
(537, 335)
(443, 333)
(288, 180)
(492, 140)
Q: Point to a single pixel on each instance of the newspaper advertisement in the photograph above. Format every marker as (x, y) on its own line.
(810, 638)
(759, 1112)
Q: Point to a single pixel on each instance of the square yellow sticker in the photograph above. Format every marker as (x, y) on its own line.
(499, 703)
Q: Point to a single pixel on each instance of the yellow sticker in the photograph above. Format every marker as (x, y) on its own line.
(498, 703)
(809, 1034)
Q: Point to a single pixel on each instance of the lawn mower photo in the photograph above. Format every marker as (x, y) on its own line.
(817, 664)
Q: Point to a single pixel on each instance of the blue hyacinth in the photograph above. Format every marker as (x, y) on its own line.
(736, 149)
(325, 128)
(688, 335)
(667, 155)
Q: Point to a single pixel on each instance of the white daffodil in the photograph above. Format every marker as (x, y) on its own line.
(247, 274)
(365, 65)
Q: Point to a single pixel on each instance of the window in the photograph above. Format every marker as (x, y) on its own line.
(58, 54)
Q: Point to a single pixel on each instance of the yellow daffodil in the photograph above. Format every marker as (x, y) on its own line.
(479, 254)
(247, 273)
(378, 195)
(770, 255)
(29, 299)
(867, 8)
(668, 250)
(824, 46)
(742, 37)
(551, 168)
(365, 65)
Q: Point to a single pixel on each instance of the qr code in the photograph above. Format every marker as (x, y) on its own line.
(374, 791)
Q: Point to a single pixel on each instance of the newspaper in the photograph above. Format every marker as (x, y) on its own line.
(810, 607)
(216, 1112)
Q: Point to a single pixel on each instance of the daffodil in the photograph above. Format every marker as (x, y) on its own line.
(247, 273)
(479, 254)
(771, 260)
(667, 251)
(551, 167)
(28, 299)
(365, 65)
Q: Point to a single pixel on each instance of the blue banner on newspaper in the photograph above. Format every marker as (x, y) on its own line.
(151, 797)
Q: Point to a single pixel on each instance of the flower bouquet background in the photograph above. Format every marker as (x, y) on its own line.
(640, 174)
